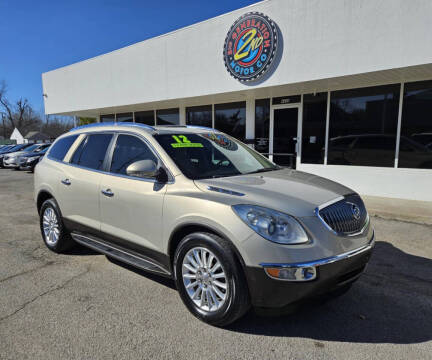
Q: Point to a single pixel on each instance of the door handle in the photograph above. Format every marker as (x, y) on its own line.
(66, 182)
(108, 193)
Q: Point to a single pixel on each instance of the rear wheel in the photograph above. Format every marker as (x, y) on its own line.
(54, 234)
(210, 280)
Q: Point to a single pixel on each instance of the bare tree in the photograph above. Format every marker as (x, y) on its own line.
(18, 114)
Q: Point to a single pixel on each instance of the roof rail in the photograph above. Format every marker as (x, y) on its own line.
(201, 127)
(131, 124)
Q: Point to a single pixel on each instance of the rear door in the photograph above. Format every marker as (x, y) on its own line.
(79, 184)
(131, 207)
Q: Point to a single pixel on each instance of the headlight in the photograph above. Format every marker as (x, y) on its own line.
(30, 159)
(271, 224)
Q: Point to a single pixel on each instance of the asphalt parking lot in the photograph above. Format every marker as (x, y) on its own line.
(84, 306)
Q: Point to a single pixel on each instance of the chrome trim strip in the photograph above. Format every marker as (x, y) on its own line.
(325, 261)
(331, 202)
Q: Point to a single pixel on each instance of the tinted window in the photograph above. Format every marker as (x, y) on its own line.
(107, 118)
(129, 149)
(211, 155)
(125, 117)
(371, 112)
(376, 143)
(31, 148)
(415, 149)
(199, 116)
(314, 128)
(262, 125)
(145, 117)
(231, 119)
(91, 152)
(167, 117)
(61, 147)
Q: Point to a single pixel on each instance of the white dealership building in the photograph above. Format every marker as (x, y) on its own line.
(339, 88)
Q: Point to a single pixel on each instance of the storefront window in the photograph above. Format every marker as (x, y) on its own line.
(314, 128)
(262, 125)
(199, 116)
(145, 117)
(107, 118)
(167, 117)
(231, 119)
(125, 117)
(363, 126)
(415, 149)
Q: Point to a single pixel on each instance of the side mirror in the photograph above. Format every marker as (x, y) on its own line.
(142, 168)
(147, 169)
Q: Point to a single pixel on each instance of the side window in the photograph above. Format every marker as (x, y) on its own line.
(59, 150)
(91, 152)
(129, 149)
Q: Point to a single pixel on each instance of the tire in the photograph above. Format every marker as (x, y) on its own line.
(51, 214)
(16, 168)
(215, 310)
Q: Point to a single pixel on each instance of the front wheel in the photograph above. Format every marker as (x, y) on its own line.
(210, 279)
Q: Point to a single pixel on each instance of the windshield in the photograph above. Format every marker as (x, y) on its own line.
(31, 148)
(211, 155)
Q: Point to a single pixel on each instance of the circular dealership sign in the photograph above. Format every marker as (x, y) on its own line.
(250, 46)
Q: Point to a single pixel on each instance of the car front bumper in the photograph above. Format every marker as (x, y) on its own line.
(28, 165)
(330, 274)
(10, 163)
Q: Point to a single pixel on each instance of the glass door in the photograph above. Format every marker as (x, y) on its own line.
(284, 136)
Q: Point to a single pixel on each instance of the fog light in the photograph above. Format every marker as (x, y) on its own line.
(292, 273)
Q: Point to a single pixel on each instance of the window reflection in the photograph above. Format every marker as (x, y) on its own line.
(145, 117)
(107, 118)
(314, 128)
(262, 125)
(199, 115)
(167, 117)
(125, 117)
(415, 149)
(363, 125)
(231, 119)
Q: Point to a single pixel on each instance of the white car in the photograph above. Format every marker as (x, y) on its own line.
(11, 160)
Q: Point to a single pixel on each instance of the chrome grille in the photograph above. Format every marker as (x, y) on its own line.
(346, 217)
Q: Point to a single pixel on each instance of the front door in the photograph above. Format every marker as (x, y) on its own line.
(284, 137)
(131, 207)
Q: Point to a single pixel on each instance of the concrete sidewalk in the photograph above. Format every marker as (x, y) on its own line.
(399, 209)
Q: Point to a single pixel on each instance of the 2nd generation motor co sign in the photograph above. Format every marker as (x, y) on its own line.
(250, 46)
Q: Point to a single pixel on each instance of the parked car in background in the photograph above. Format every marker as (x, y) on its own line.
(29, 160)
(11, 150)
(360, 149)
(229, 226)
(11, 160)
(5, 148)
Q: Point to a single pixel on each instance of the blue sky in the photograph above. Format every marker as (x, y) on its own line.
(38, 36)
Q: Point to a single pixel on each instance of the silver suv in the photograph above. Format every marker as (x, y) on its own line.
(230, 227)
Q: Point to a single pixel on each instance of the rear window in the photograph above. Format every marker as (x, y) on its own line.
(61, 147)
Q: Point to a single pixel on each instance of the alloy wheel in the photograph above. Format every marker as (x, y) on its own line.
(50, 226)
(204, 279)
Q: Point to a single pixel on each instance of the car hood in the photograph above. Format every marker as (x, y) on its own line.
(31, 154)
(290, 191)
(16, 153)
